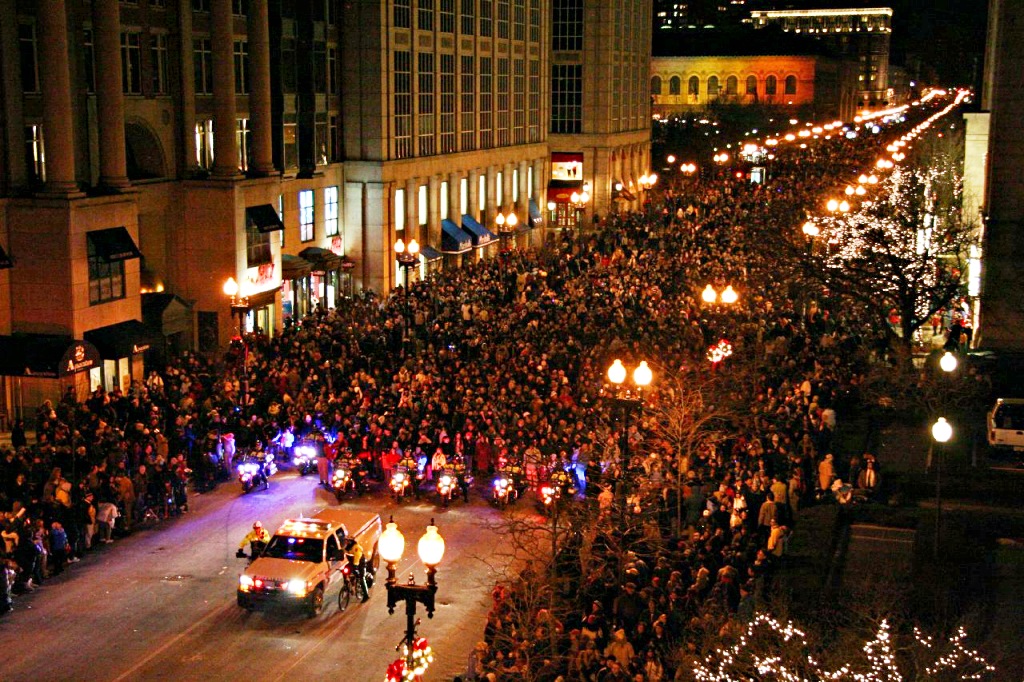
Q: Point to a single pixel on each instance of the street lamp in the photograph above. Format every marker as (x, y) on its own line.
(239, 304)
(430, 548)
(811, 229)
(728, 296)
(407, 256)
(628, 399)
(647, 181)
(947, 362)
(942, 431)
(579, 202)
(240, 307)
(506, 224)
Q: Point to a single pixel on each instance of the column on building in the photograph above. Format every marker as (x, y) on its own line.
(539, 193)
(455, 197)
(523, 203)
(222, 37)
(262, 161)
(106, 24)
(491, 207)
(473, 202)
(12, 131)
(55, 76)
(188, 87)
(433, 210)
(507, 204)
(412, 218)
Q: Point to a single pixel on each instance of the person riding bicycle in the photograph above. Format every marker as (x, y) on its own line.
(257, 540)
(357, 560)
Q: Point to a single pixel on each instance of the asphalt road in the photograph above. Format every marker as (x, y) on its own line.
(160, 604)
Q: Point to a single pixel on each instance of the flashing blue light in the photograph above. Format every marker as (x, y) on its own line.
(876, 129)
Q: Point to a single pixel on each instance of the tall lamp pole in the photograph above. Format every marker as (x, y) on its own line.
(628, 399)
(431, 550)
(240, 307)
(942, 431)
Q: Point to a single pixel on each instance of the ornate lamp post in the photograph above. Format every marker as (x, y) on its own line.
(407, 256)
(728, 295)
(579, 201)
(506, 223)
(628, 399)
(240, 307)
(942, 431)
(431, 550)
(239, 304)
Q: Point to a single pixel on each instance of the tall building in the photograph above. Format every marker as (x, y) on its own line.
(693, 69)
(600, 105)
(677, 14)
(153, 149)
(1002, 306)
(859, 34)
(444, 115)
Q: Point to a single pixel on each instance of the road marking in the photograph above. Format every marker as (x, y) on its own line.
(171, 642)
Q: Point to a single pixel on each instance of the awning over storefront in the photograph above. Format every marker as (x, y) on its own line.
(536, 218)
(263, 298)
(45, 355)
(322, 260)
(293, 267)
(122, 340)
(264, 218)
(347, 263)
(428, 254)
(560, 191)
(453, 238)
(114, 244)
(479, 234)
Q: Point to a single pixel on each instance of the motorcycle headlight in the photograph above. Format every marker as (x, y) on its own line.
(244, 583)
(446, 480)
(296, 587)
(399, 478)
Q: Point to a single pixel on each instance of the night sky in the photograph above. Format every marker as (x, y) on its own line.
(947, 36)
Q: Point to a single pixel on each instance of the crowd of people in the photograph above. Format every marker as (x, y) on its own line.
(504, 359)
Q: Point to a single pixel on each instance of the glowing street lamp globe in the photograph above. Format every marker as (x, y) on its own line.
(391, 543)
(709, 295)
(231, 287)
(730, 296)
(947, 362)
(431, 547)
(642, 375)
(942, 430)
(617, 372)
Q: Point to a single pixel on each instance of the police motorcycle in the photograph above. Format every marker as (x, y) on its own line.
(349, 475)
(452, 480)
(254, 470)
(561, 485)
(304, 456)
(401, 482)
(507, 485)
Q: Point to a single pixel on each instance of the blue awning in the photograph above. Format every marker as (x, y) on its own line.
(454, 239)
(481, 235)
(536, 218)
(428, 254)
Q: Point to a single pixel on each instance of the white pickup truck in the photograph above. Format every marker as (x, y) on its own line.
(305, 557)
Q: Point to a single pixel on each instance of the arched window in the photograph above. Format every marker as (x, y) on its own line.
(693, 86)
(751, 85)
(713, 86)
(673, 85)
(655, 85)
(790, 85)
(771, 85)
(732, 84)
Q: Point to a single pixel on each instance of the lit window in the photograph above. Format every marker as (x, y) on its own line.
(331, 211)
(306, 215)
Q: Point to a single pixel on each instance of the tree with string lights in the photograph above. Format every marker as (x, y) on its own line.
(768, 650)
(903, 250)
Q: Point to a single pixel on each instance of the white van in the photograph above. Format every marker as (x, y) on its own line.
(1006, 424)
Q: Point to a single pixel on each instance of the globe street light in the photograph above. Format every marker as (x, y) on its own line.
(947, 362)
(407, 256)
(430, 548)
(240, 307)
(942, 431)
(629, 400)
